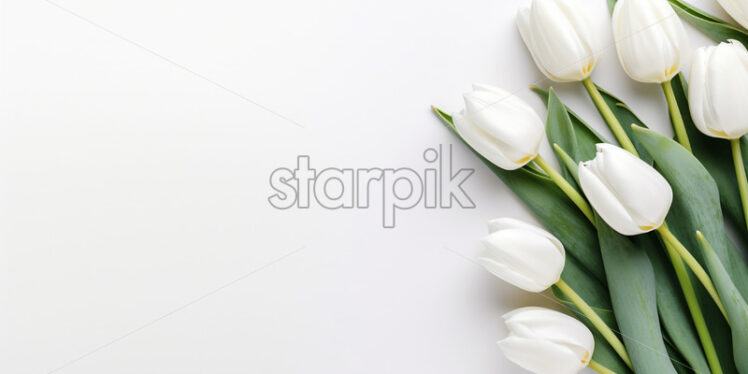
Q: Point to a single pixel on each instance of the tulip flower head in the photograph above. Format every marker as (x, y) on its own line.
(718, 90)
(522, 254)
(737, 9)
(650, 39)
(500, 126)
(544, 341)
(629, 194)
(561, 39)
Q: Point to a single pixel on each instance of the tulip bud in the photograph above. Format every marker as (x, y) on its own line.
(560, 38)
(500, 126)
(718, 90)
(737, 9)
(631, 196)
(522, 254)
(544, 341)
(650, 39)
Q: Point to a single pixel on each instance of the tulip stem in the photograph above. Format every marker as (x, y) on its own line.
(596, 321)
(678, 126)
(695, 309)
(610, 118)
(598, 367)
(672, 243)
(737, 157)
(565, 186)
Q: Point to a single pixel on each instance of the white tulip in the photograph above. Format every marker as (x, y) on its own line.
(500, 126)
(650, 39)
(522, 254)
(629, 194)
(718, 90)
(560, 38)
(544, 341)
(738, 10)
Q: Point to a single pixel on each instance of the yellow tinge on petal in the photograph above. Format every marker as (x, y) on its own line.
(719, 133)
(524, 159)
(587, 68)
(647, 228)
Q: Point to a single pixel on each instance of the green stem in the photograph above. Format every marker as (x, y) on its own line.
(675, 116)
(696, 314)
(610, 118)
(598, 322)
(737, 158)
(673, 243)
(598, 367)
(568, 189)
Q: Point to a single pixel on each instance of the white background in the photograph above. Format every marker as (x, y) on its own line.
(134, 223)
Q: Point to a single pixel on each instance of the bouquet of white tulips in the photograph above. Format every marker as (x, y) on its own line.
(634, 243)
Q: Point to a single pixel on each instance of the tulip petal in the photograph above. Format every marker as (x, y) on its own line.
(510, 122)
(505, 223)
(697, 93)
(605, 202)
(726, 88)
(541, 357)
(719, 90)
(560, 39)
(510, 276)
(644, 193)
(534, 322)
(650, 39)
(532, 256)
(737, 9)
(631, 196)
(482, 142)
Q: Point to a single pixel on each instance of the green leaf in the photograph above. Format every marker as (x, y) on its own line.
(697, 12)
(560, 130)
(696, 208)
(585, 136)
(597, 297)
(735, 305)
(558, 125)
(571, 165)
(680, 365)
(710, 25)
(672, 308)
(631, 281)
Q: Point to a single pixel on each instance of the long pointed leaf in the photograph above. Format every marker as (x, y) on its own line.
(737, 309)
(672, 308)
(559, 130)
(586, 137)
(710, 25)
(631, 281)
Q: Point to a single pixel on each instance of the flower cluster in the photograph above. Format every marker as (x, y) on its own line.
(626, 197)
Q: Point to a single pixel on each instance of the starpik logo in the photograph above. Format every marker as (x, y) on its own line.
(438, 185)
